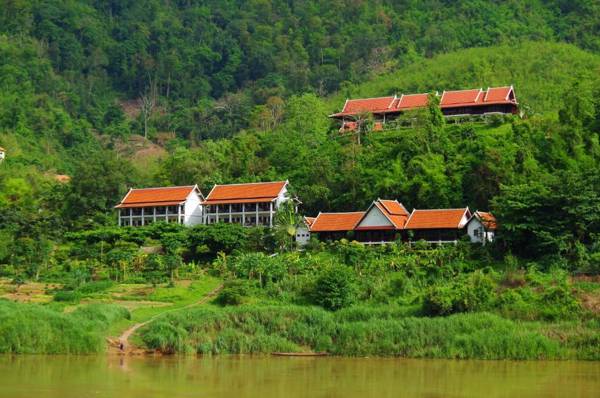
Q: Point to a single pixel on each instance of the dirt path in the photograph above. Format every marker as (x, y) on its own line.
(121, 344)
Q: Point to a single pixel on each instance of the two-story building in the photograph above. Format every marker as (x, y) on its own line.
(249, 204)
(182, 205)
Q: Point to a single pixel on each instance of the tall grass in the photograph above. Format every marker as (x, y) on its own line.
(252, 329)
(36, 329)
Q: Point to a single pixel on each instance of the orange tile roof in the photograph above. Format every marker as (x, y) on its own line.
(461, 97)
(409, 101)
(487, 219)
(436, 219)
(368, 104)
(449, 99)
(245, 193)
(497, 94)
(162, 196)
(333, 222)
(394, 211)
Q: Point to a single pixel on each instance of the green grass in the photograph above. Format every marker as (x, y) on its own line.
(355, 332)
(36, 329)
(178, 297)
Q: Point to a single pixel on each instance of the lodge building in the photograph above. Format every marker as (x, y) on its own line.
(387, 221)
(168, 204)
(458, 103)
(252, 204)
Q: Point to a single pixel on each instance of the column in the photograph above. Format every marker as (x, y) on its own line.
(217, 209)
(243, 214)
(270, 214)
(256, 208)
(230, 213)
(142, 216)
(179, 214)
(120, 217)
(130, 217)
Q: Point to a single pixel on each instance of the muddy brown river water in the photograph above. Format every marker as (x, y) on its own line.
(266, 377)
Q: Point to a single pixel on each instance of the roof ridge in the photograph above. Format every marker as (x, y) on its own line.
(453, 208)
(250, 183)
(170, 187)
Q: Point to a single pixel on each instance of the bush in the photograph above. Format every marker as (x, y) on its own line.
(233, 293)
(67, 296)
(462, 295)
(334, 288)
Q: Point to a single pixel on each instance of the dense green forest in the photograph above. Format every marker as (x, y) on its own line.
(115, 94)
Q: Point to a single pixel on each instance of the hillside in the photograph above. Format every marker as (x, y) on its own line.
(542, 73)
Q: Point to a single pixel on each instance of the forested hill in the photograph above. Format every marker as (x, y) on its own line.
(243, 53)
(230, 91)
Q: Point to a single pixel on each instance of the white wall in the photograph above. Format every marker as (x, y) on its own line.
(375, 218)
(192, 209)
(473, 226)
(302, 235)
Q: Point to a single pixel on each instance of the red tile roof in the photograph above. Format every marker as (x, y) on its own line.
(245, 193)
(436, 219)
(410, 101)
(498, 94)
(368, 104)
(487, 219)
(394, 211)
(334, 222)
(163, 196)
(449, 99)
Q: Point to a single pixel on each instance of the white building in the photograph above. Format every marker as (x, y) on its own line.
(182, 205)
(481, 227)
(250, 204)
(2, 154)
(303, 231)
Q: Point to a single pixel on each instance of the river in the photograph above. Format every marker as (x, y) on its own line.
(144, 377)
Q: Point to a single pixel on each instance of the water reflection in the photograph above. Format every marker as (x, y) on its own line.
(265, 377)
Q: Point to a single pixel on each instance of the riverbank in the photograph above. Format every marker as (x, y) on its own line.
(363, 331)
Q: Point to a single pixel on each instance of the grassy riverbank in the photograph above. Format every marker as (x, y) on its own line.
(37, 329)
(366, 332)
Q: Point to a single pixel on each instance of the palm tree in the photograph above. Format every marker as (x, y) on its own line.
(287, 222)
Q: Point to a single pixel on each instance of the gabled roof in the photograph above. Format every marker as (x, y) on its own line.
(394, 211)
(245, 193)
(493, 95)
(449, 99)
(411, 101)
(368, 104)
(487, 219)
(437, 219)
(309, 221)
(160, 196)
(335, 222)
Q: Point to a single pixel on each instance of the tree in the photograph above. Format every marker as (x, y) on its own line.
(287, 221)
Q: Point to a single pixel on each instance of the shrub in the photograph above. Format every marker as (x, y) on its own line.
(334, 288)
(233, 293)
(461, 295)
(67, 296)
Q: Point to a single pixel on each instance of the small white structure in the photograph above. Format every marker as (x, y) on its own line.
(303, 231)
(250, 204)
(2, 154)
(182, 205)
(481, 227)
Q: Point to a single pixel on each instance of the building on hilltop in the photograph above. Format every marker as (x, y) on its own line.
(182, 205)
(494, 100)
(249, 204)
